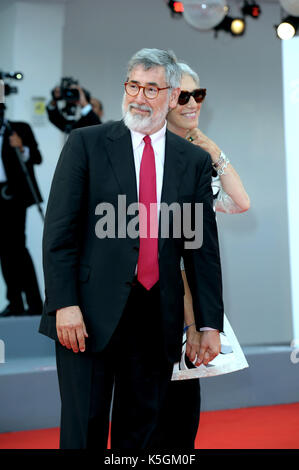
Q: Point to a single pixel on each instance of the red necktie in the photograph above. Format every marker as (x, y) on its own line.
(148, 267)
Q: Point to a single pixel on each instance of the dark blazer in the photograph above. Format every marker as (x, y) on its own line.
(16, 178)
(96, 165)
(57, 118)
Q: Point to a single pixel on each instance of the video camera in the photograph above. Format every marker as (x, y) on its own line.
(8, 90)
(71, 96)
(66, 92)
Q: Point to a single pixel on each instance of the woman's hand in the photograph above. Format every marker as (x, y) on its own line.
(230, 180)
(204, 345)
(193, 343)
(199, 138)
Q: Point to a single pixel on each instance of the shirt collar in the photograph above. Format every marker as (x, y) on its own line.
(137, 137)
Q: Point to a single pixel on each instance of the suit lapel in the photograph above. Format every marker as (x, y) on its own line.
(174, 166)
(119, 149)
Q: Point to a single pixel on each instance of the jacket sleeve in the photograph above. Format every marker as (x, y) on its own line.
(56, 118)
(202, 265)
(28, 139)
(61, 237)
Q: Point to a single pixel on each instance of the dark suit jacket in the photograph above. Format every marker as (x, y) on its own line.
(57, 118)
(17, 182)
(96, 165)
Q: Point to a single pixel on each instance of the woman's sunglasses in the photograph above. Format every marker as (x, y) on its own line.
(198, 94)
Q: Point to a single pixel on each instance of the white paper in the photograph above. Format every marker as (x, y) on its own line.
(230, 359)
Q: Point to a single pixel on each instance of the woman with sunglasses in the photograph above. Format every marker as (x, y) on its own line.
(183, 121)
(178, 425)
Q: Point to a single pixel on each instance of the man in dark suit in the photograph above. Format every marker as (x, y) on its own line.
(15, 196)
(111, 325)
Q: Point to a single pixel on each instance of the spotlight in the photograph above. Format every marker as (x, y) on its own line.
(237, 27)
(18, 76)
(176, 8)
(234, 26)
(252, 9)
(287, 28)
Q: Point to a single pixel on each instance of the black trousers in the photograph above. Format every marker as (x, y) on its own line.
(16, 263)
(134, 363)
(179, 418)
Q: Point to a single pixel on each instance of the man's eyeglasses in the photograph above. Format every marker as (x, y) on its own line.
(149, 91)
(199, 95)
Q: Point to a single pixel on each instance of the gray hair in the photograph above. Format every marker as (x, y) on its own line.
(150, 58)
(186, 70)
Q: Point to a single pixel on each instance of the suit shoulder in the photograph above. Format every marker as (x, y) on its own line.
(95, 130)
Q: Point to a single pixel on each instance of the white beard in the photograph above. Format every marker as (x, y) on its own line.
(143, 124)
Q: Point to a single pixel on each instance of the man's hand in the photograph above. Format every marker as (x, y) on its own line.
(56, 95)
(210, 346)
(199, 138)
(71, 330)
(16, 141)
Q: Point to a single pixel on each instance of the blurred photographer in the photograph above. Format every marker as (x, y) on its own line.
(97, 107)
(74, 96)
(15, 196)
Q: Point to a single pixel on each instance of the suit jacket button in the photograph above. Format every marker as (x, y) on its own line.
(136, 248)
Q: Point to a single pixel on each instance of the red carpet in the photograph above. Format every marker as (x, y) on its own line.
(267, 427)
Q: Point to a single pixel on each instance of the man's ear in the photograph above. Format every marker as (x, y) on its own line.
(175, 93)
